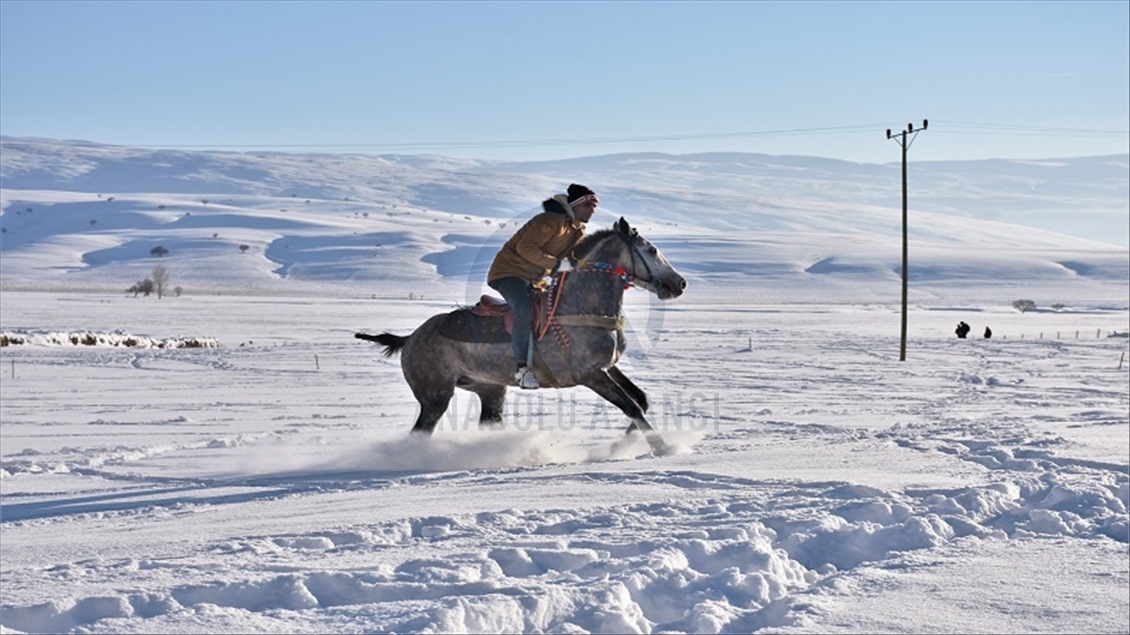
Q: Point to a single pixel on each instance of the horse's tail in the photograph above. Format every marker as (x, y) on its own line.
(392, 343)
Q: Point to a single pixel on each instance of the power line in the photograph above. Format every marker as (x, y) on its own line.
(965, 127)
(948, 128)
(514, 143)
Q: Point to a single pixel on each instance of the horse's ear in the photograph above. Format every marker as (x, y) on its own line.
(623, 228)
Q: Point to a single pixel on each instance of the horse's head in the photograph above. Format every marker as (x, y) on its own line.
(625, 250)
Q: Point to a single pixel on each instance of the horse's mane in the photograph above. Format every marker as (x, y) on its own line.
(590, 241)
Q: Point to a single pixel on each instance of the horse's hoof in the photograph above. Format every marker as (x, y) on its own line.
(659, 447)
(623, 447)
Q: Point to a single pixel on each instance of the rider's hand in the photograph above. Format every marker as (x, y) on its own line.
(563, 265)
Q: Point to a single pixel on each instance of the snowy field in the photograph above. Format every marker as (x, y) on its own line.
(270, 485)
(232, 459)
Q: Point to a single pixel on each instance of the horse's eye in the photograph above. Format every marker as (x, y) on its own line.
(655, 251)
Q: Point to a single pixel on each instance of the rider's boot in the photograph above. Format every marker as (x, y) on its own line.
(525, 378)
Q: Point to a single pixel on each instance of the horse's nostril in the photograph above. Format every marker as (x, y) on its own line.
(682, 284)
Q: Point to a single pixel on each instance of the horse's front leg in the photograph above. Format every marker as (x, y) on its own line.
(622, 381)
(492, 399)
(603, 384)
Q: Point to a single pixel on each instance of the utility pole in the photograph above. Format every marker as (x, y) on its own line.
(904, 139)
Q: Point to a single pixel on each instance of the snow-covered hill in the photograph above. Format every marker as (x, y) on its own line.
(84, 215)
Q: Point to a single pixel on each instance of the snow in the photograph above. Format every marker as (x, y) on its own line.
(264, 480)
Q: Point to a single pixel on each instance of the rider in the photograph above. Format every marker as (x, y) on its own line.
(539, 247)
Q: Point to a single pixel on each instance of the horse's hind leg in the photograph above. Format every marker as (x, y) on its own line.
(433, 403)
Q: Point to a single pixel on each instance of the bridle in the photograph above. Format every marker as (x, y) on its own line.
(635, 253)
(629, 278)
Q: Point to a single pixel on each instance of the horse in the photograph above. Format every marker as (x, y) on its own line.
(588, 336)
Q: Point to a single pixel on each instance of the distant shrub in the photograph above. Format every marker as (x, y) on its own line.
(1024, 305)
(244, 248)
(116, 338)
(87, 339)
(1059, 306)
(142, 286)
(12, 339)
(158, 251)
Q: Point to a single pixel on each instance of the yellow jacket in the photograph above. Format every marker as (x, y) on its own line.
(534, 250)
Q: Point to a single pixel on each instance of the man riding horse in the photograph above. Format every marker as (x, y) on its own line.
(467, 350)
(537, 249)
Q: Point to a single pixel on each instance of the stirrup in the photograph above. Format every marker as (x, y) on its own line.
(525, 378)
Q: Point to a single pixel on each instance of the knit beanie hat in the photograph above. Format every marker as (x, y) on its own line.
(580, 194)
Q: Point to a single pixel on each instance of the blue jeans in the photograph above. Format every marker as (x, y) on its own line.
(516, 292)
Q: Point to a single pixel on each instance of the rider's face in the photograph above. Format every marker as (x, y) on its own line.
(585, 210)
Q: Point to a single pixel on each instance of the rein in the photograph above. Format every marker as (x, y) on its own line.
(555, 296)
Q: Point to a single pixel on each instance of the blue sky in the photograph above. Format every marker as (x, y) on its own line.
(545, 80)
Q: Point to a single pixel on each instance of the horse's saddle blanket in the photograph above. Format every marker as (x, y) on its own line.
(490, 321)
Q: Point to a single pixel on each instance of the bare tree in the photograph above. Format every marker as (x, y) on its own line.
(158, 251)
(1024, 305)
(160, 280)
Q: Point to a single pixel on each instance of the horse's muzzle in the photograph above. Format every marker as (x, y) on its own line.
(671, 287)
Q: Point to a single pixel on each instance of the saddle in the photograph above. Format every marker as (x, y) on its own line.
(490, 321)
(545, 316)
(491, 306)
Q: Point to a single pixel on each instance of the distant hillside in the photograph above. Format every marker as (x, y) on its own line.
(86, 215)
(1086, 197)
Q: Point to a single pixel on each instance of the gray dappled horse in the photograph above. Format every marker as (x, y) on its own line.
(462, 350)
